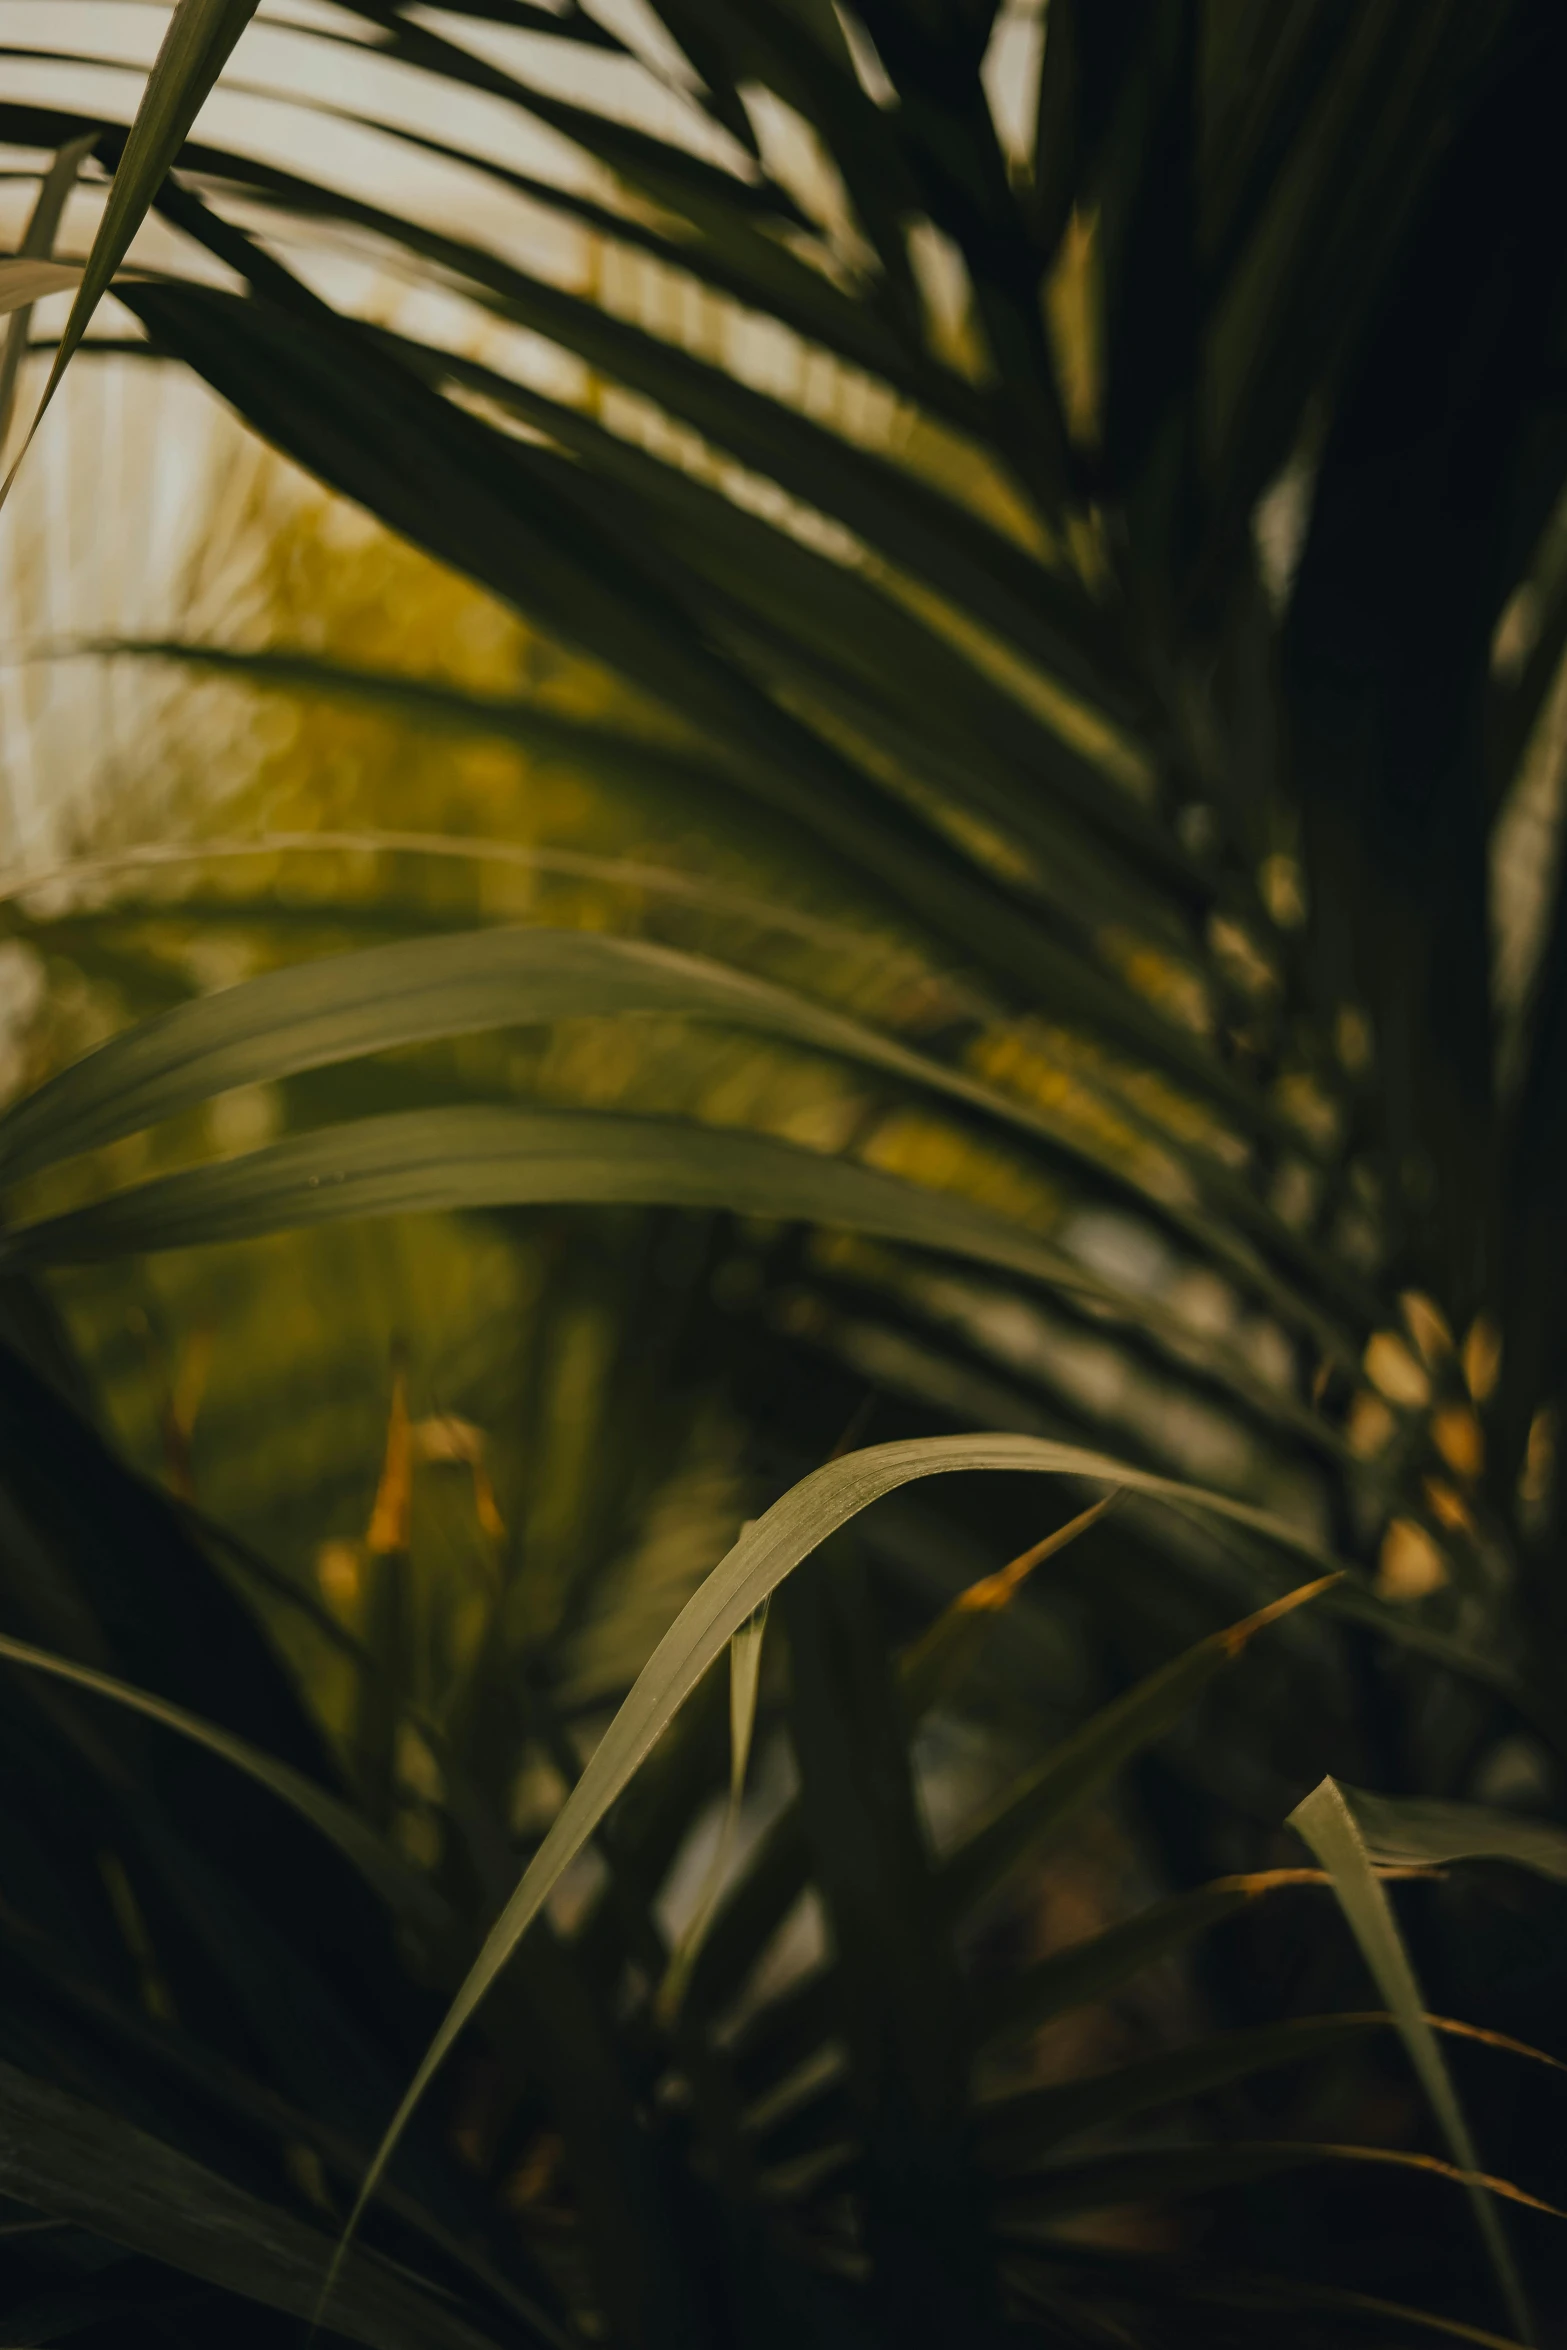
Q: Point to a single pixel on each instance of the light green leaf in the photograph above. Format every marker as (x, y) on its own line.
(1401, 1828)
(419, 1161)
(601, 750)
(400, 1887)
(1326, 1823)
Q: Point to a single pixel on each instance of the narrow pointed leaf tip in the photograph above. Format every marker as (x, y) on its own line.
(994, 1592)
(196, 47)
(745, 1672)
(1326, 1823)
(768, 1551)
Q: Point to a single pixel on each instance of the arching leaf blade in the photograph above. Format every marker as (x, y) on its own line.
(335, 1009)
(403, 1890)
(767, 1552)
(420, 990)
(459, 1158)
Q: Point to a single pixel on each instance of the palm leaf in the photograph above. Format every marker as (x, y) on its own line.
(913, 498)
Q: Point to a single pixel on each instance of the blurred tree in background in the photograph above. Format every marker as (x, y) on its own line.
(853, 767)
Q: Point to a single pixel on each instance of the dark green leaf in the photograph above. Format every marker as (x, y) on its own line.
(399, 1886)
(1020, 2131)
(1056, 1789)
(82, 2164)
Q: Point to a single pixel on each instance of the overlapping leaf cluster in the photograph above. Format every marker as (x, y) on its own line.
(1159, 621)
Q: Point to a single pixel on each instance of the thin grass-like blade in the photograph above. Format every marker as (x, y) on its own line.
(1019, 2131)
(745, 1670)
(403, 1890)
(1326, 1823)
(195, 49)
(37, 246)
(83, 2164)
(1088, 1971)
(337, 1008)
(454, 1159)
(1107, 2181)
(1290, 2295)
(939, 1658)
(927, 1670)
(769, 1550)
(419, 990)
(1055, 1790)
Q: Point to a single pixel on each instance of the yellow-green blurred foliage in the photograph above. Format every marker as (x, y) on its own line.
(258, 1378)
